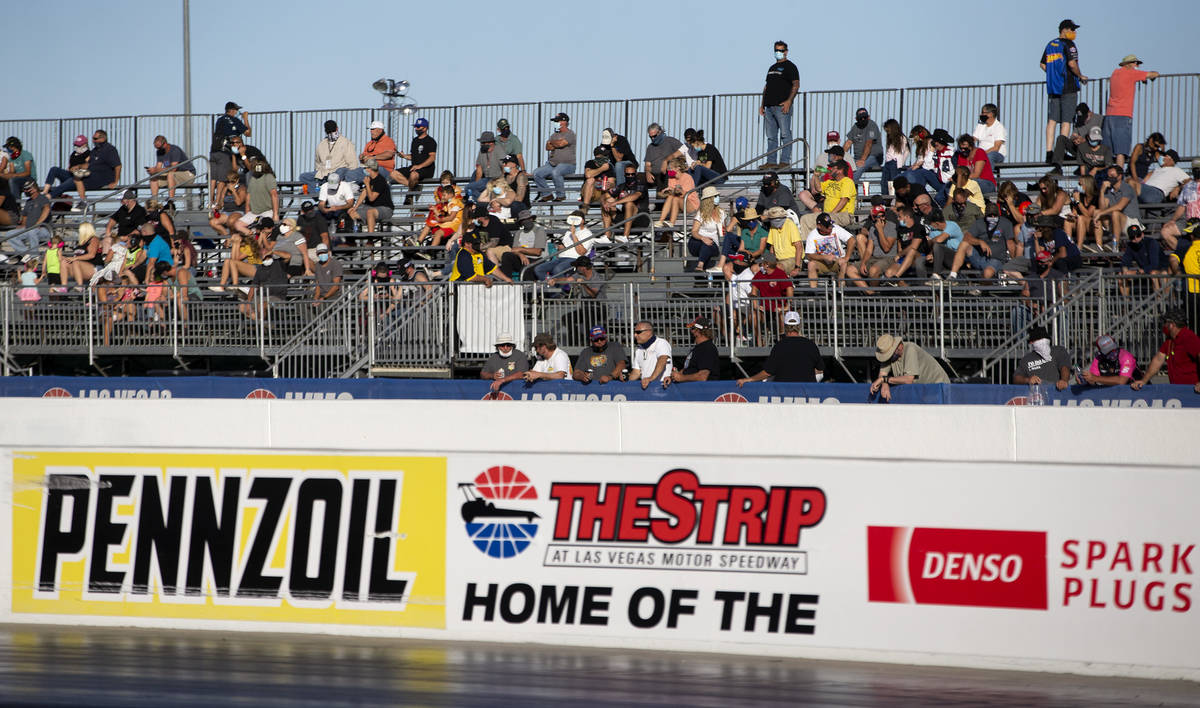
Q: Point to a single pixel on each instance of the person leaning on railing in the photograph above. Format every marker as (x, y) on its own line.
(903, 362)
(1180, 351)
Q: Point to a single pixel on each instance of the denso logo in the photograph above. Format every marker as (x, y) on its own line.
(973, 567)
(687, 511)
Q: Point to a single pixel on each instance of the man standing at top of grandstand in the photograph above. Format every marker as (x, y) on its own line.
(1118, 115)
(220, 156)
(780, 89)
(1060, 61)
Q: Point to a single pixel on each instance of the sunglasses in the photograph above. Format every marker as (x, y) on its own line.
(640, 331)
(599, 339)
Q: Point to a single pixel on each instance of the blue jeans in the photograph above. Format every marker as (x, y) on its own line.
(995, 158)
(923, 177)
(348, 175)
(552, 267)
(558, 173)
(701, 174)
(986, 187)
(871, 162)
(476, 187)
(1151, 195)
(31, 240)
(778, 127)
(66, 181)
(619, 171)
(703, 252)
(890, 172)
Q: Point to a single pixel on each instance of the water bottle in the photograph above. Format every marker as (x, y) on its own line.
(1036, 395)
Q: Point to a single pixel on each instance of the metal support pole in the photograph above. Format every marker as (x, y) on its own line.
(187, 78)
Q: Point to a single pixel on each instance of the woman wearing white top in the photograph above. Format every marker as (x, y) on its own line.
(707, 229)
(895, 153)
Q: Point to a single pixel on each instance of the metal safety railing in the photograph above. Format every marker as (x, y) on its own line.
(428, 328)
(731, 121)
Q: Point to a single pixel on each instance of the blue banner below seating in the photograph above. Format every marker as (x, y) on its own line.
(1161, 396)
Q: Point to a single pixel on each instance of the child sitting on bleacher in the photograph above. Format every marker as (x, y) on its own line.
(29, 279)
(444, 217)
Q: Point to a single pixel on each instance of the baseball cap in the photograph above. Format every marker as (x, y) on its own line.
(420, 123)
(1134, 231)
(940, 135)
(606, 136)
(1130, 59)
(700, 323)
(833, 136)
(791, 317)
(836, 150)
(559, 116)
(597, 332)
(487, 136)
(334, 179)
(1067, 24)
(1038, 332)
(371, 164)
(1105, 344)
(502, 124)
(129, 194)
(1095, 133)
(330, 126)
(232, 106)
(769, 257)
(878, 210)
(1172, 154)
(80, 140)
(511, 159)
(376, 125)
(306, 206)
(404, 264)
(824, 219)
(770, 178)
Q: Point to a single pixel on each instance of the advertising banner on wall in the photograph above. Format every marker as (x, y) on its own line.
(1023, 563)
(323, 539)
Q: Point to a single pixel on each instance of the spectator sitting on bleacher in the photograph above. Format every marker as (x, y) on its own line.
(745, 232)
(913, 244)
(494, 237)
(976, 161)
(329, 273)
(834, 153)
(660, 150)
(1144, 157)
(270, 279)
(262, 196)
(598, 177)
(1118, 205)
(20, 168)
(243, 156)
(867, 142)
(173, 162)
(335, 155)
(895, 154)
(291, 247)
(314, 227)
(903, 363)
(839, 199)
(925, 208)
(783, 236)
(943, 164)
(703, 362)
(128, 217)
(602, 361)
(1093, 154)
(651, 356)
(529, 241)
(793, 359)
(775, 290)
(1118, 115)
(380, 148)
(961, 208)
(87, 255)
(229, 203)
(962, 182)
(560, 161)
(113, 269)
(1112, 365)
(35, 213)
(990, 134)
(985, 245)
(1051, 198)
(624, 201)
(506, 364)
(581, 281)
(487, 164)
(499, 199)
(1057, 255)
(679, 195)
(1190, 263)
(1180, 351)
(334, 200)
(59, 180)
(1068, 146)
(552, 362)
(774, 195)
(245, 255)
(163, 217)
(877, 243)
(1164, 183)
(1012, 203)
(704, 243)
(572, 244)
(1084, 205)
(709, 163)
(422, 153)
(1189, 196)
(1142, 256)
(822, 159)
(921, 172)
(906, 193)
(103, 169)
(220, 158)
(444, 218)
(1044, 362)
(518, 181)
(376, 197)
(946, 237)
(827, 249)
(509, 144)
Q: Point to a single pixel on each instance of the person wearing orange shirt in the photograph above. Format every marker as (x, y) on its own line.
(1118, 116)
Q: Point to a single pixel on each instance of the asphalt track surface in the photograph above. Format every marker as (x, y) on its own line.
(73, 666)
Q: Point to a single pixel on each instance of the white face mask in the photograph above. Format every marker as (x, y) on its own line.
(1041, 347)
(778, 55)
(505, 354)
(716, 200)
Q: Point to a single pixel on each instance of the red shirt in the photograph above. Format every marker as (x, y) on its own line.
(1121, 86)
(773, 285)
(1183, 354)
(978, 156)
(383, 144)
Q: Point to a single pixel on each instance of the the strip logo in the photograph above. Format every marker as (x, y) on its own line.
(971, 567)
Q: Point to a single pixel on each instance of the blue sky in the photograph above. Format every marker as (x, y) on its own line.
(125, 57)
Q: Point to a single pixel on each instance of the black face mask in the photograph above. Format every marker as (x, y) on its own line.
(861, 122)
(964, 152)
(504, 132)
(601, 160)
(160, 151)
(983, 119)
(630, 176)
(484, 148)
(768, 189)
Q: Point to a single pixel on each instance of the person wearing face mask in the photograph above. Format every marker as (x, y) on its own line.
(518, 181)
(487, 165)
(1163, 184)
(334, 200)
(494, 236)
(529, 242)
(335, 154)
(624, 201)
(990, 134)
(509, 144)
(1142, 256)
(784, 238)
(1068, 147)
(421, 152)
(507, 363)
(779, 90)
(1044, 362)
(171, 163)
(1094, 154)
(986, 245)
(262, 192)
(976, 161)
(1180, 351)
(708, 165)
(864, 137)
(574, 242)
(376, 196)
(1118, 205)
(679, 194)
(19, 169)
(622, 153)
(220, 158)
(707, 230)
(772, 194)
(598, 177)
(381, 148)
(1112, 365)
(661, 149)
(1060, 61)
(59, 180)
(329, 273)
(560, 161)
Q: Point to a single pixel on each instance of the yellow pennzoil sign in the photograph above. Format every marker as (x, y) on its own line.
(330, 539)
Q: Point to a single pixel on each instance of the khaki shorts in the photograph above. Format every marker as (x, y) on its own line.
(881, 263)
(825, 268)
(787, 264)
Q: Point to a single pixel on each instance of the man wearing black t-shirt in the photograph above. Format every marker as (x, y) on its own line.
(422, 152)
(793, 359)
(703, 363)
(376, 196)
(783, 83)
(626, 200)
(129, 217)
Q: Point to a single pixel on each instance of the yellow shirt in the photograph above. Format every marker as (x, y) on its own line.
(1191, 266)
(783, 239)
(835, 190)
